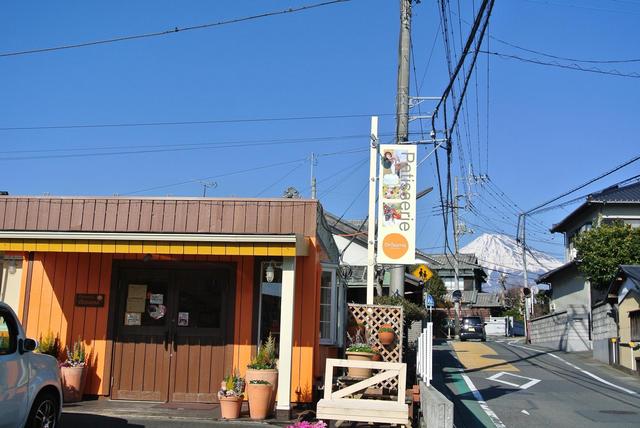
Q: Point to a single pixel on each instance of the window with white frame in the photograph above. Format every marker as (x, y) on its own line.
(328, 305)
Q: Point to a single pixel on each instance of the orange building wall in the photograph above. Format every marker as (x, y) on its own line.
(57, 277)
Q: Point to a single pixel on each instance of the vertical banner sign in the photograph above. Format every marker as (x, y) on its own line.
(397, 204)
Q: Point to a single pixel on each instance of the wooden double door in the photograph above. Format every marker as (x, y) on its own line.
(173, 333)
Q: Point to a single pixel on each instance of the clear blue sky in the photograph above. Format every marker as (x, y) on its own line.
(550, 129)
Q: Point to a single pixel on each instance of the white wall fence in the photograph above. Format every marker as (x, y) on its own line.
(424, 363)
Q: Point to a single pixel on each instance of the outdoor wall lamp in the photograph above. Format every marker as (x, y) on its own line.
(12, 268)
(270, 271)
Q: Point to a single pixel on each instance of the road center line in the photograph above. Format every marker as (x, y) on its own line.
(483, 404)
(599, 379)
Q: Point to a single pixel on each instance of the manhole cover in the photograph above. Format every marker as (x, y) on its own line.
(619, 412)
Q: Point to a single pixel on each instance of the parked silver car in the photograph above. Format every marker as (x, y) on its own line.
(30, 391)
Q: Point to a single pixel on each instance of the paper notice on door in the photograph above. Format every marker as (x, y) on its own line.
(135, 304)
(132, 318)
(137, 291)
(156, 299)
(183, 319)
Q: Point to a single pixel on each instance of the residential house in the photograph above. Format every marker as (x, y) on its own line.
(571, 294)
(160, 287)
(624, 292)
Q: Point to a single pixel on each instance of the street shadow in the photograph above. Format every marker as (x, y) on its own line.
(95, 421)
(462, 415)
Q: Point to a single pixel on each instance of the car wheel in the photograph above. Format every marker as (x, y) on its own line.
(44, 412)
(462, 340)
(484, 339)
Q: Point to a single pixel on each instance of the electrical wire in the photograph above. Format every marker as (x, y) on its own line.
(577, 67)
(190, 122)
(173, 30)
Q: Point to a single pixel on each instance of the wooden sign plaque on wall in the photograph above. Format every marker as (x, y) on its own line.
(90, 300)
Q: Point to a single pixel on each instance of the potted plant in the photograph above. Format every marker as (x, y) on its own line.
(260, 392)
(73, 372)
(359, 352)
(264, 367)
(377, 356)
(231, 395)
(49, 345)
(386, 334)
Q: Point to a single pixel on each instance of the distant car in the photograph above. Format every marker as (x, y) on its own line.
(472, 328)
(30, 391)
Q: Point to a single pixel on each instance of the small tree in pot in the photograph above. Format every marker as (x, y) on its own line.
(231, 395)
(74, 372)
(264, 367)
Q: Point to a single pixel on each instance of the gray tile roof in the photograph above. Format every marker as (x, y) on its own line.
(627, 194)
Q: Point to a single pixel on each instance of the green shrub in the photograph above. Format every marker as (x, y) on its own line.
(266, 357)
(49, 345)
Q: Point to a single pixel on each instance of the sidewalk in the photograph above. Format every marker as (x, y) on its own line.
(118, 413)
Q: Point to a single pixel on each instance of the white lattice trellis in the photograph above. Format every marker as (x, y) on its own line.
(373, 317)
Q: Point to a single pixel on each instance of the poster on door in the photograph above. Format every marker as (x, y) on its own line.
(397, 204)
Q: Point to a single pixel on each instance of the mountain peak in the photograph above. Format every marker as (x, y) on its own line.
(501, 255)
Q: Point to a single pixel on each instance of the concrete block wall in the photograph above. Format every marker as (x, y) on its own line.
(603, 328)
(566, 330)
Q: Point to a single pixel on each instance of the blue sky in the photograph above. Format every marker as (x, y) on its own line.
(549, 129)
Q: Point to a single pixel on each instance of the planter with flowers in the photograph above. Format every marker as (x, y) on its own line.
(307, 424)
(230, 396)
(264, 367)
(386, 334)
(260, 393)
(74, 372)
(360, 352)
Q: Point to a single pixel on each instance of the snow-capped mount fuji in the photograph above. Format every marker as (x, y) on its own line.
(501, 255)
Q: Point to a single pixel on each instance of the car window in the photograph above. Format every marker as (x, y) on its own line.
(473, 321)
(8, 334)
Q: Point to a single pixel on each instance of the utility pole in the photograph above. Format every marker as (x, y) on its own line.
(371, 226)
(314, 159)
(523, 216)
(456, 244)
(402, 112)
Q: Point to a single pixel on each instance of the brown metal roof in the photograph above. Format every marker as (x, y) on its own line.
(159, 215)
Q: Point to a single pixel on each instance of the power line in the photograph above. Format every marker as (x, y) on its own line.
(173, 30)
(227, 174)
(146, 149)
(577, 67)
(583, 185)
(190, 122)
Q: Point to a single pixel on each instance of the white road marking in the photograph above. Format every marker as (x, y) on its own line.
(525, 412)
(496, 378)
(599, 379)
(483, 404)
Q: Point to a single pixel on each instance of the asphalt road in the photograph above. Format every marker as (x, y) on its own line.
(525, 386)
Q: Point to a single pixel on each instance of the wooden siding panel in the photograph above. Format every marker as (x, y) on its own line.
(99, 215)
(88, 213)
(89, 329)
(122, 216)
(133, 221)
(204, 216)
(111, 216)
(157, 215)
(43, 215)
(215, 222)
(297, 218)
(286, 218)
(262, 217)
(21, 214)
(32, 214)
(311, 212)
(68, 305)
(146, 212)
(168, 221)
(227, 217)
(251, 217)
(3, 209)
(65, 215)
(275, 212)
(33, 311)
(77, 211)
(193, 211)
(239, 216)
(180, 224)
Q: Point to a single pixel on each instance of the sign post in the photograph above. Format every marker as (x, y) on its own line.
(429, 302)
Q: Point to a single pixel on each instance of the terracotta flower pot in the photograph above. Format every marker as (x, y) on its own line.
(230, 407)
(386, 337)
(357, 372)
(376, 357)
(73, 380)
(269, 375)
(259, 400)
